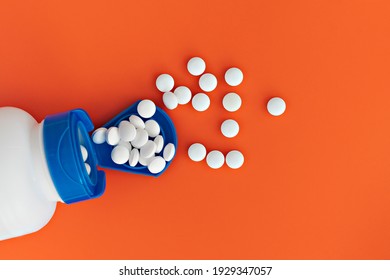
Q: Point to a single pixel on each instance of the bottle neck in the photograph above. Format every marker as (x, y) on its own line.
(41, 170)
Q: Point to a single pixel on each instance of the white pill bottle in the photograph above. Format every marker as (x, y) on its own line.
(41, 164)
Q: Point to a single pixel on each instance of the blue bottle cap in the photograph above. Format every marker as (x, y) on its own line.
(62, 136)
(168, 132)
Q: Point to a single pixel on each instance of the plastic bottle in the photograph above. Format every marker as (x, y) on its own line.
(41, 164)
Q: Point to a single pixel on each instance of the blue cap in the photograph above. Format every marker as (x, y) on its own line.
(62, 136)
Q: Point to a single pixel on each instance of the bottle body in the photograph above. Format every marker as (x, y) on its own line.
(28, 197)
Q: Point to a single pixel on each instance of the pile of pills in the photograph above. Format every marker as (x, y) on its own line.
(137, 141)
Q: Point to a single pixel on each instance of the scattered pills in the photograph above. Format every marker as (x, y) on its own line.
(134, 157)
(234, 159)
(112, 136)
(231, 102)
(230, 128)
(196, 66)
(169, 152)
(127, 131)
(159, 140)
(88, 168)
(148, 150)
(208, 82)
(201, 102)
(234, 76)
(84, 153)
(165, 83)
(215, 159)
(120, 154)
(99, 135)
(183, 95)
(157, 165)
(152, 127)
(137, 121)
(146, 108)
(140, 139)
(170, 100)
(197, 152)
(276, 106)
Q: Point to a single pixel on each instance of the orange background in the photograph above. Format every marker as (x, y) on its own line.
(316, 181)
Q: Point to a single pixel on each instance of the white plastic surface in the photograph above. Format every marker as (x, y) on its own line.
(231, 102)
(276, 106)
(196, 66)
(165, 83)
(201, 102)
(215, 159)
(234, 159)
(26, 204)
(234, 76)
(197, 152)
(183, 95)
(208, 82)
(230, 128)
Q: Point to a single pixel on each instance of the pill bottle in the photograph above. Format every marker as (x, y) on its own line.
(42, 164)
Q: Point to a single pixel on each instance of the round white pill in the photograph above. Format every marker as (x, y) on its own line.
(112, 136)
(84, 153)
(134, 157)
(88, 167)
(127, 131)
(165, 83)
(231, 102)
(144, 161)
(196, 66)
(276, 106)
(201, 102)
(125, 144)
(170, 100)
(169, 152)
(152, 127)
(157, 165)
(137, 121)
(208, 82)
(99, 135)
(120, 154)
(159, 140)
(146, 108)
(215, 159)
(230, 128)
(234, 159)
(140, 139)
(197, 152)
(148, 150)
(234, 76)
(183, 95)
